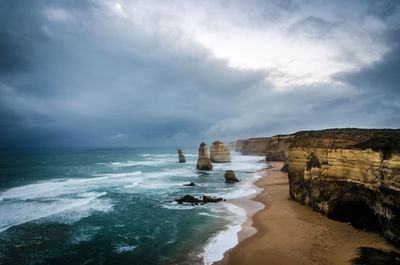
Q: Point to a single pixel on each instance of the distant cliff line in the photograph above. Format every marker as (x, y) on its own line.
(350, 175)
(386, 141)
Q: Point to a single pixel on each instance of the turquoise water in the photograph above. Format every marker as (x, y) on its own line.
(115, 206)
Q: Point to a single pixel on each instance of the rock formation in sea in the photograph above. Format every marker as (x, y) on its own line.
(191, 184)
(351, 175)
(230, 177)
(182, 158)
(194, 201)
(219, 153)
(203, 162)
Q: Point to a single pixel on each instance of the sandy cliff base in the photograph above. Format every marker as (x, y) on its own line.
(290, 233)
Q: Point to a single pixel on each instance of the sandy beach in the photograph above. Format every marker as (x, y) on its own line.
(286, 232)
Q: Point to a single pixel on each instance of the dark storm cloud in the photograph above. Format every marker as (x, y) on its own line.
(72, 73)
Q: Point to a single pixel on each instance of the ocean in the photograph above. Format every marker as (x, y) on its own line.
(115, 206)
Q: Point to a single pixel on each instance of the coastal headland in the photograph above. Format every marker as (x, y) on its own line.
(291, 233)
(350, 180)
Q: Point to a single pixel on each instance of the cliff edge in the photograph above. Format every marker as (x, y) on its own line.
(351, 175)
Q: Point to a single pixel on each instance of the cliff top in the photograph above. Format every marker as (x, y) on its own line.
(386, 141)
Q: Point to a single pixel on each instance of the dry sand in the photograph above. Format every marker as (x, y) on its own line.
(290, 233)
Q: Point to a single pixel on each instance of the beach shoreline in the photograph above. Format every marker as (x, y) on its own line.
(285, 232)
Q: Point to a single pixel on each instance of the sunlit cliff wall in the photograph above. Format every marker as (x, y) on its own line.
(350, 175)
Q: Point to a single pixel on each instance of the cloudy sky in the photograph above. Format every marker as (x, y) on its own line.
(145, 73)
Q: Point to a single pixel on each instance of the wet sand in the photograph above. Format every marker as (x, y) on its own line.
(290, 233)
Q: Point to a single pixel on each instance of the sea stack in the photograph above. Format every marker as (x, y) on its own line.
(182, 158)
(219, 153)
(203, 162)
(230, 177)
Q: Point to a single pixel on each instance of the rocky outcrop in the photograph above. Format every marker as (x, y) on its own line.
(219, 153)
(230, 177)
(277, 147)
(252, 146)
(351, 175)
(182, 158)
(194, 201)
(203, 162)
(274, 148)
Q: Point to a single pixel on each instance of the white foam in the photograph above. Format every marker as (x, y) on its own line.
(120, 248)
(19, 212)
(151, 162)
(225, 239)
(120, 175)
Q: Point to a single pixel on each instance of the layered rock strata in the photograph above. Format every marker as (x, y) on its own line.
(274, 148)
(277, 147)
(182, 158)
(203, 162)
(219, 153)
(351, 175)
(252, 146)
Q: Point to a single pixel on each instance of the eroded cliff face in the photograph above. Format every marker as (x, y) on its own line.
(219, 153)
(203, 162)
(275, 148)
(333, 174)
(252, 146)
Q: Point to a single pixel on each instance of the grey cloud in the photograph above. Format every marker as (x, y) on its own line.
(98, 80)
(311, 27)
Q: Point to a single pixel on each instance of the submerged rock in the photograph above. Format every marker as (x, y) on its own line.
(230, 177)
(190, 184)
(194, 201)
(219, 153)
(203, 162)
(182, 158)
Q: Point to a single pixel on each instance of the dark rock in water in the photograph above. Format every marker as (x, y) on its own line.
(182, 158)
(190, 184)
(207, 199)
(203, 162)
(189, 199)
(230, 177)
(194, 201)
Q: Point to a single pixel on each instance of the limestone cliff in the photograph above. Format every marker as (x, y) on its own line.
(219, 153)
(182, 158)
(275, 148)
(203, 162)
(350, 175)
(253, 146)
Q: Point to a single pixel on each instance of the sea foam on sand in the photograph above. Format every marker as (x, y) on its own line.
(225, 239)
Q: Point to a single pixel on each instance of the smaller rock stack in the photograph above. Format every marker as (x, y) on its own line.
(219, 153)
(203, 162)
(230, 177)
(182, 158)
